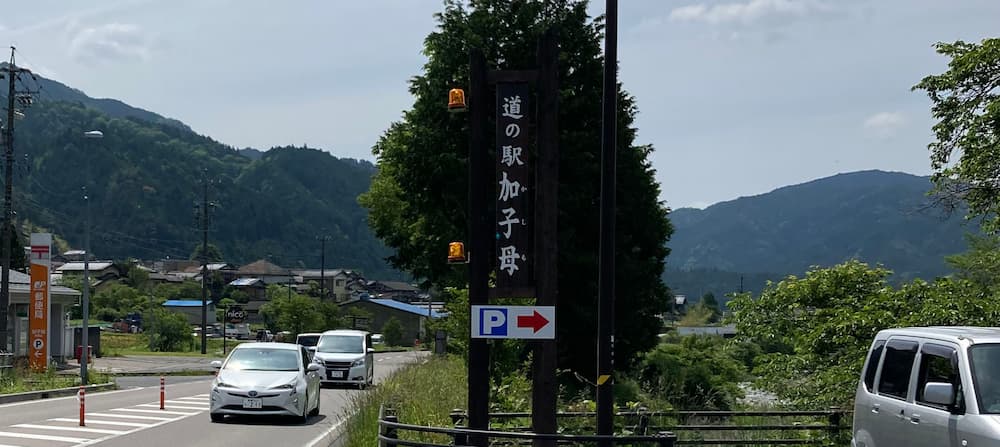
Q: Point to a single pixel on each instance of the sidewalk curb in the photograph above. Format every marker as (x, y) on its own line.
(58, 392)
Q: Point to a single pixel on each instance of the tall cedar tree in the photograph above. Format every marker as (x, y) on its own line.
(418, 199)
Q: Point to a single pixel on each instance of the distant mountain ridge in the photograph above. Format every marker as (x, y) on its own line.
(144, 182)
(874, 216)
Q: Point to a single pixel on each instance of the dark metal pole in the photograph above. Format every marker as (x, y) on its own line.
(322, 267)
(7, 209)
(204, 269)
(480, 173)
(606, 281)
(544, 386)
(85, 330)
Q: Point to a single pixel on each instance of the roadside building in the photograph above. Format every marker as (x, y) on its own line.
(191, 309)
(371, 314)
(61, 300)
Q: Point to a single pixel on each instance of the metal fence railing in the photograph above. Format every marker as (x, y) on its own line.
(393, 433)
(6, 364)
(829, 427)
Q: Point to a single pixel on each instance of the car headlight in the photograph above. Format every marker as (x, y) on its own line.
(287, 386)
(224, 385)
(358, 362)
(317, 360)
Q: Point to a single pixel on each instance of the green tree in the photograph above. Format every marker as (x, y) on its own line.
(213, 254)
(966, 104)
(118, 299)
(392, 330)
(981, 263)
(168, 331)
(296, 313)
(693, 372)
(417, 199)
(829, 317)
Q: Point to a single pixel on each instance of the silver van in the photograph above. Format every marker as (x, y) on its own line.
(930, 387)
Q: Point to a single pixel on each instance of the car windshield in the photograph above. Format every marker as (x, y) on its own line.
(345, 344)
(308, 340)
(263, 359)
(985, 361)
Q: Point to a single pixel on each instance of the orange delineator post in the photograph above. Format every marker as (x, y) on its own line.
(161, 392)
(81, 397)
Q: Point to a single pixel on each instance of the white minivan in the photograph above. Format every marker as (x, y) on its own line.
(345, 357)
(930, 387)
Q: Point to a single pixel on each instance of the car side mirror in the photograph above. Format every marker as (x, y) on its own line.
(312, 367)
(216, 364)
(939, 393)
(371, 350)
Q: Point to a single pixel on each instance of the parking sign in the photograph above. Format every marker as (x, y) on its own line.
(520, 322)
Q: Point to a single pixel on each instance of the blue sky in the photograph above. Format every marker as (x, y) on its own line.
(738, 96)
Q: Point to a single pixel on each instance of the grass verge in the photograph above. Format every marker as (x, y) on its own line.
(23, 380)
(421, 394)
(120, 344)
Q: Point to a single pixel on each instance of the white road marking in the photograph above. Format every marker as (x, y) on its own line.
(139, 410)
(79, 429)
(174, 407)
(188, 402)
(323, 437)
(9, 434)
(8, 445)
(42, 401)
(91, 421)
(130, 416)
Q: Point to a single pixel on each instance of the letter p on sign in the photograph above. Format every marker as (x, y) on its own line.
(493, 322)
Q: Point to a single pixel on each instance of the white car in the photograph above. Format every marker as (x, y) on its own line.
(266, 379)
(345, 356)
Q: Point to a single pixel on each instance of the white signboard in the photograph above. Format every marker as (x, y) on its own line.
(520, 322)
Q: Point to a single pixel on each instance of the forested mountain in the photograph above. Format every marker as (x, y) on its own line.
(873, 216)
(145, 178)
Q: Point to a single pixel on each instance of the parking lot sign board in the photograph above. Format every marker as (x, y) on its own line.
(516, 322)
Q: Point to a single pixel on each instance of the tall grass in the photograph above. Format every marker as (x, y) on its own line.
(420, 394)
(22, 380)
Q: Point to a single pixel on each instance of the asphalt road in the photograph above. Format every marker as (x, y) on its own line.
(131, 417)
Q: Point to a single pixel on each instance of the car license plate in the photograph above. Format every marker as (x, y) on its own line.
(336, 374)
(253, 403)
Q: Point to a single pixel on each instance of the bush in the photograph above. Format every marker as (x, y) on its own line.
(695, 373)
(392, 331)
(168, 331)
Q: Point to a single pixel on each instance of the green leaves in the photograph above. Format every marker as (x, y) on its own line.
(830, 317)
(966, 103)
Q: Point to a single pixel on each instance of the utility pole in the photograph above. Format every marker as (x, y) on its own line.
(205, 216)
(11, 72)
(322, 265)
(606, 278)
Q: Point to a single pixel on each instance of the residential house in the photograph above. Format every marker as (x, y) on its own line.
(378, 311)
(252, 287)
(227, 272)
(102, 273)
(396, 290)
(266, 272)
(334, 281)
(61, 300)
(192, 310)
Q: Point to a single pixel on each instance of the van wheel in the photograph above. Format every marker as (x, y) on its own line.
(216, 417)
(315, 411)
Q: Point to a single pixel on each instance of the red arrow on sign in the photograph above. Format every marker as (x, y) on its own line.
(535, 322)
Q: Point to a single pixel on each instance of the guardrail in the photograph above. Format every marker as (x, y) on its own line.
(704, 428)
(391, 433)
(6, 364)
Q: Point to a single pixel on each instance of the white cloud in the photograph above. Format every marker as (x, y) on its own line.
(885, 124)
(749, 12)
(113, 42)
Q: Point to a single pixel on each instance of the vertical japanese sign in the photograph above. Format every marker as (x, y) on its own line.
(38, 308)
(514, 239)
